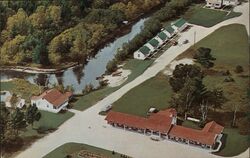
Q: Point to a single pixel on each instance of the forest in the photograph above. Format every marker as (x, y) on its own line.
(42, 33)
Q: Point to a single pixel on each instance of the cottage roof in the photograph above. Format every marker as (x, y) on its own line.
(154, 42)
(54, 96)
(162, 36)
(169, 29)
(180, 22)
(144, 50)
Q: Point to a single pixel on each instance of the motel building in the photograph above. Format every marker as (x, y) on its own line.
(163, 125)
(160, 39)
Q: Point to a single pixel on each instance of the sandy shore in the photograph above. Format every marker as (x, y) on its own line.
(114, 81)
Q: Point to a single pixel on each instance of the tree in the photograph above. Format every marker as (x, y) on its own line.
(204, 57)
(17, 121)
(88, 88)
(13, 100)
(32, 115)
(181, 73)
(239, 69)
(216, 98)
(111, 66)
(4, 118)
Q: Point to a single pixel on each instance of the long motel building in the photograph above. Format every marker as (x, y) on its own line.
(163, 124)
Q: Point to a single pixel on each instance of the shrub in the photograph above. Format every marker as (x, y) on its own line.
(112, 66)
(239, 69)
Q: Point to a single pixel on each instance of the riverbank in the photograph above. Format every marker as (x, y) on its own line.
(37, 70)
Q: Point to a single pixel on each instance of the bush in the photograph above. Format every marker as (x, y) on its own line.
(239, 69)
(112, 66)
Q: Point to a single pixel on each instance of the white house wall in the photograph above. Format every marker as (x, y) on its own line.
(139, 55)
(43, 104)
(159, 40)
(150, 47)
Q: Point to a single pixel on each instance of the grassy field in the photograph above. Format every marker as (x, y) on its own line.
(234, 143)
(207, 17)
(136, 66)
(48, 121)
(21, 87)
(74, 148)
(154, 92)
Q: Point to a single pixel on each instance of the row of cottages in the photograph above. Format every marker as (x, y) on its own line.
(51, 100)
(220, 3)
(163, 124)
(160, 39)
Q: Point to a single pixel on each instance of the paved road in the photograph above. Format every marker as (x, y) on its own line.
(136, 145)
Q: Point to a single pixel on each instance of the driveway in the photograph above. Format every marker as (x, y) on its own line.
(136, 145)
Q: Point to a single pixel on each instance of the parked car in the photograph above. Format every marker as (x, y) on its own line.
(155, 138)
(185, 41)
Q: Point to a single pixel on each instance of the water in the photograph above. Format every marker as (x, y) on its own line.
(78, 78)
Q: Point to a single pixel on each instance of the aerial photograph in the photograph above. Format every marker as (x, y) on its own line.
(124, 79)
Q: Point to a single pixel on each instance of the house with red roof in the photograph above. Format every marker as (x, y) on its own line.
(51, 100)
(164, 125)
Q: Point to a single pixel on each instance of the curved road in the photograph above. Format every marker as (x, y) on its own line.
(129, 143)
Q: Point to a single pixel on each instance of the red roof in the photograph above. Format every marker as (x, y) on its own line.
(192, 134)
(54, 96)
(160, 121)
(206, 135)
(213, 127)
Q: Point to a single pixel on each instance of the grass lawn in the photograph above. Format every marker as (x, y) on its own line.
(21, 87)
(234, 143)
(48, 121)
(154, 92)
(136, 66)
(74, 148)
(207, 17)
(229, 46)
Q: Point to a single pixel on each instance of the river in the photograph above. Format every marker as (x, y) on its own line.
(79, 77)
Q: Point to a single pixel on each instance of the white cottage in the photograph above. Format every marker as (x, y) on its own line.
(142, 53)
(19, 102)
(179, 25)
(51, 100)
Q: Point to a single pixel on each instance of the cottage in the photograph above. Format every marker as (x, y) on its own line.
(164, 125)
(142, 53)
(163, 36)
(155, 43)
(169, 31)
(230, 2)
(219, 3)
(180, 25)
(214, 3)
(19, 102)
(51, 100)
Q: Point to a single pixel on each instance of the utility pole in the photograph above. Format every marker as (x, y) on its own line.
(194, 38)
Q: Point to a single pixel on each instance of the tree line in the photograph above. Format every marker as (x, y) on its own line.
(50, 32)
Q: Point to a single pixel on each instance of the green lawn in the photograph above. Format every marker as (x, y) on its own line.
(154, 92)
(21, 87)
(234, 143)
(48, 121)
(229, 46)
(136, 66)
(74, 148)
(207, 17)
